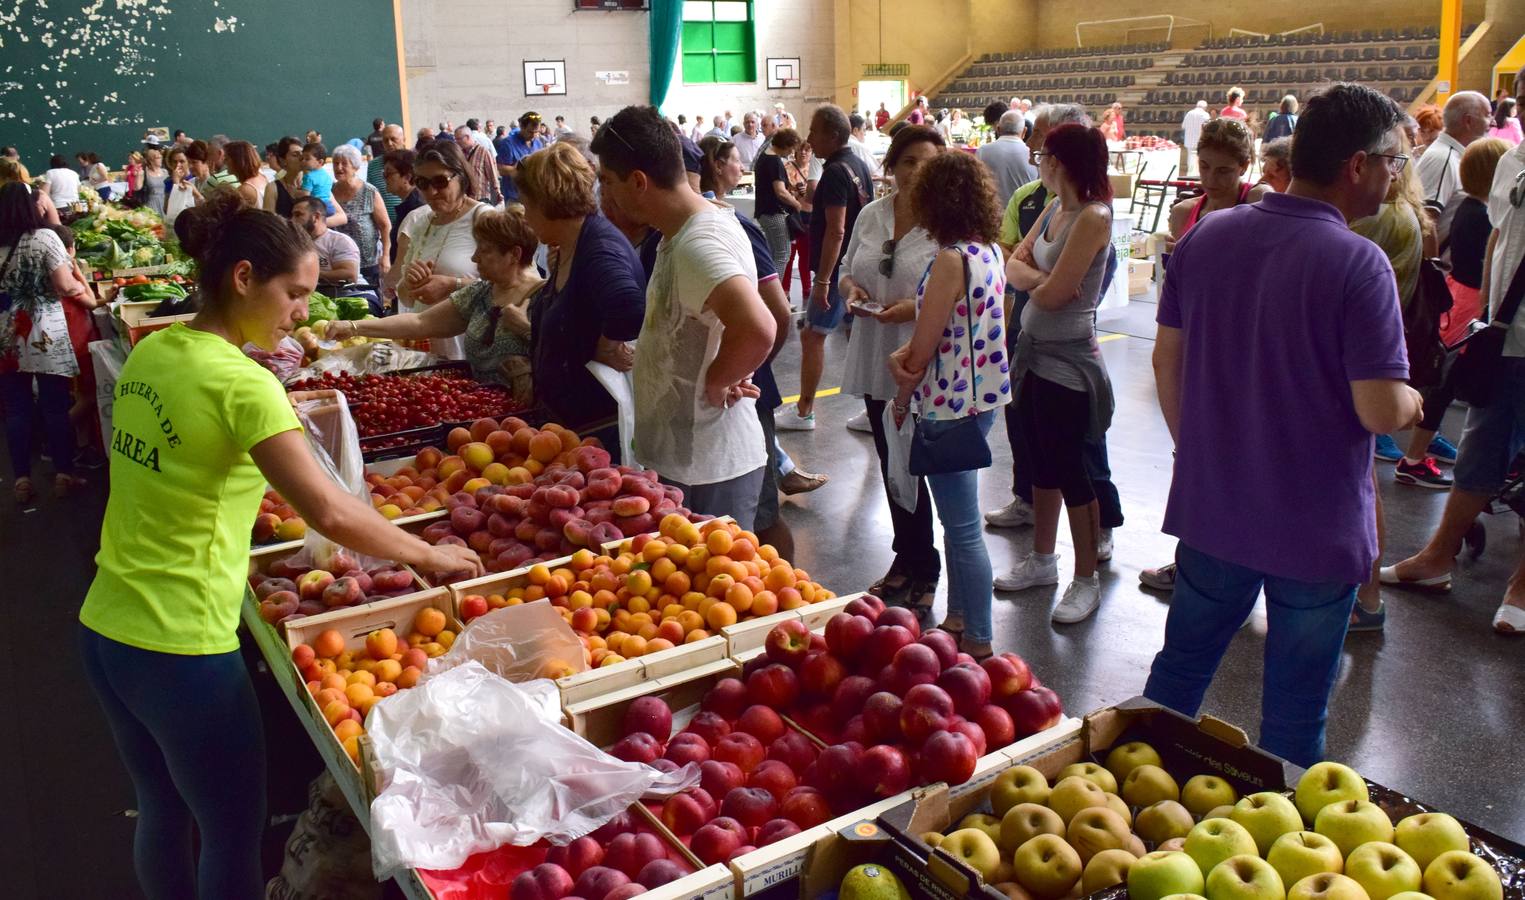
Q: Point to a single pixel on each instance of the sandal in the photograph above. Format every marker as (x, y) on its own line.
(921, 595)
(980, 652)
(1439, 584)
(1509, 620)
(64, 485)
(892, 588)
(23, 491)
(958, 633)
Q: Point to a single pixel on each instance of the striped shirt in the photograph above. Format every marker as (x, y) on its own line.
(376, 175)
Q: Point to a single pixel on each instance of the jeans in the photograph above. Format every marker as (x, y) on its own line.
(957, 498)
(196, 755)
(1305, 633)
(53, 401)
(1092, 453)
(915, 552)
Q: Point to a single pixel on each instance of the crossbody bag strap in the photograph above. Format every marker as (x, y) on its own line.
(968, 326)
(1512, 296)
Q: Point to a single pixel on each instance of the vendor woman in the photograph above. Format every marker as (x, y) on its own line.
(190, 458)
(492, 312)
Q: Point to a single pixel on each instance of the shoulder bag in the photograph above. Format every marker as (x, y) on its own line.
(961, 448)
(1475, 373)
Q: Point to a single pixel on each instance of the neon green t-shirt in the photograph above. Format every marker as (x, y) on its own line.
(174, 555)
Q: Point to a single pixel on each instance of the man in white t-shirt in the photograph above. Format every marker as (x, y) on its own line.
(338, 256)
(1466, 119)
(749, 142)
(1191, 132)
(706, 328)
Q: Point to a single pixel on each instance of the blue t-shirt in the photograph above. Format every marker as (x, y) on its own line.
(1264, 344)
(509, 151)
(319, 183)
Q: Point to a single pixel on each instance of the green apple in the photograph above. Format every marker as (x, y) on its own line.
(871, 882)
(1266, 816)
(1105, 869)
(1325, 783)
(986, 823)
(1019, 784)
(1159, 822)
(1461, 875)
(1326, 886)
(1351, 823)
(975, 849)
(1298, 854)
(1124, 758)
(1095, 829)
(1245, 877)
(1024, 822)
(1162, 873)
(1214, 840)
(1411, 895)
(1204, 793)
(1184, 897)
(1073, 794)
(1383, 870)
(1091, 772)
(1425, 836)
(1148, 784)
(1047, 866)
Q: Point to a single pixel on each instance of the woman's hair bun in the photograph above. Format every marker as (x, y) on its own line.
(203, 226)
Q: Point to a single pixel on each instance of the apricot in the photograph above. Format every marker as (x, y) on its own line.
(672, 631)
(698, 634)
(347, 729)
(740, 597)
(638, 582)
(336, 711)
(328, 644)
(445, 638)
(764, 603)
(720, 615)
(387, 670)
(357, 694)
(302, 655)
(612, 659)
(634, 645)
(718, 542)
(429, 622)
(352, 748)
(381, 643)
(657, 645)
(544, 447)
(415, 658)
(385, 689)
(293, 529)
(457, 438)
(434, 649)
(409, 677)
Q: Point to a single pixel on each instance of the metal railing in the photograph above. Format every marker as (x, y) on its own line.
(1170, 26)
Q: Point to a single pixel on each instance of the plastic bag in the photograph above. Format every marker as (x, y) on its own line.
(903, 485)
(519, 643)
(335, 443)
(473, 762)
(621, 386)
(285, 360)
(375, 357)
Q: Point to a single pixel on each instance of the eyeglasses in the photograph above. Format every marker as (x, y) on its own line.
(887, 264)
(609, 129)
(1395, 161)
(435, 183)
(1037, 156)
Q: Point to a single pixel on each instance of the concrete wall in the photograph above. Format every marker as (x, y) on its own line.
(930, 35)
(1508, 23)
(465, 58)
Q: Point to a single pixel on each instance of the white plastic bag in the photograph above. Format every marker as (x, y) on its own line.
(621, 386)
(898, 444)
(473, 762)
(335, 443)
(520, 643)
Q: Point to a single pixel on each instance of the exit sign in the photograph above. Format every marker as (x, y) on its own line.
(886, 70)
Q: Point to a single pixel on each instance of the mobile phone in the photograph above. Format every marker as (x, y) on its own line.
(866, 308)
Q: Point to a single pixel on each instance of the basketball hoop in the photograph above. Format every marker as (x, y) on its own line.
(545, 89)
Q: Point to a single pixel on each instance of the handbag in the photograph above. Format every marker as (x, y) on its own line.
(962, 447)
(795, 222)
(1475, 373)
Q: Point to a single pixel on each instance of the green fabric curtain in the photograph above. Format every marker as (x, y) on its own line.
(666, 26)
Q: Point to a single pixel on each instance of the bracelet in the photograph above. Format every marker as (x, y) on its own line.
(826, 283)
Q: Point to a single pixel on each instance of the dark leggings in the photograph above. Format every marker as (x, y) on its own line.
(20, 413)
(189, 733)
(1437, 400)
(1054, 424)
(915, 551)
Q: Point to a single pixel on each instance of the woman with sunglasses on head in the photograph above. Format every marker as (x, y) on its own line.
(280, 195)
(435, 243)
(594, 300)
(1063, 393)
(886, 258)
(491, 312)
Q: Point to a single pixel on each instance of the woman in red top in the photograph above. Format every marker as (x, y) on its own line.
(1235, 109)
(1223, 152)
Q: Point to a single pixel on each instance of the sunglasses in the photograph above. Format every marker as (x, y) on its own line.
(435, 183)
(887, 264)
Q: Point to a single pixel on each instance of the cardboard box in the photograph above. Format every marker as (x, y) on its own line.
(1140, 273)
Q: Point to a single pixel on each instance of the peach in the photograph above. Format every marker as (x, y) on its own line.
(264, 527)
(449, 466)
(429, 622)
(544, 447)
(336, 711)
(328, 644)
(481, 428)
(476, 455)
(457, 438)
(302, 655)
(496, 473)
(500, 441)
(381, 644)
(293, 529)
(409, 677)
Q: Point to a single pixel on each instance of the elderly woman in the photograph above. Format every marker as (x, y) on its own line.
(11, 170)
(491, 312)
(1431, 123)
(1276, 164)
(435, 242)
(595, 299)
(779, 194)
(1284, 122)
(368, 225)
(243, 163)
(885, 260)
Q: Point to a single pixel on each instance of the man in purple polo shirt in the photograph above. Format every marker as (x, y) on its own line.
(1276, 313)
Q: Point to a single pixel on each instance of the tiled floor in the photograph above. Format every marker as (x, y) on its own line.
(1433, 706)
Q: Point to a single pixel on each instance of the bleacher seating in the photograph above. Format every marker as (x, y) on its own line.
(1089, 75)
(1069, 53)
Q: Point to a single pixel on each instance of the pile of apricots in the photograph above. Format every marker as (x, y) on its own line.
(681, 585)
(345, 683)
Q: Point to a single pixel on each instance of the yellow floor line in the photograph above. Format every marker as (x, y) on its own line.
(828, 392)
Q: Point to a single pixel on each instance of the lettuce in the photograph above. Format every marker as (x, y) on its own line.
(351, 308)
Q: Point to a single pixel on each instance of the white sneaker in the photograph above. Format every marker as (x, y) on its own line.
(1013, 515)
(1104, 546)
(1080, 600)
(793, 421)
(1037, 569)
(859, 423)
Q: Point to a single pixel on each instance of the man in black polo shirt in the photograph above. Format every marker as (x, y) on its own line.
(846, 186)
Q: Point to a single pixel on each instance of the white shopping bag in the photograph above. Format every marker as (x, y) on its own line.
(902, 483)
(621, 387)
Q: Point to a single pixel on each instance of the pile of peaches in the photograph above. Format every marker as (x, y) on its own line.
(346, 683)
(680, 585)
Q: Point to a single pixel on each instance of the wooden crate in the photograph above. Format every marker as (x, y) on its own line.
(746, 639)
(261, 562)
(413, 524)
(136, 320)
